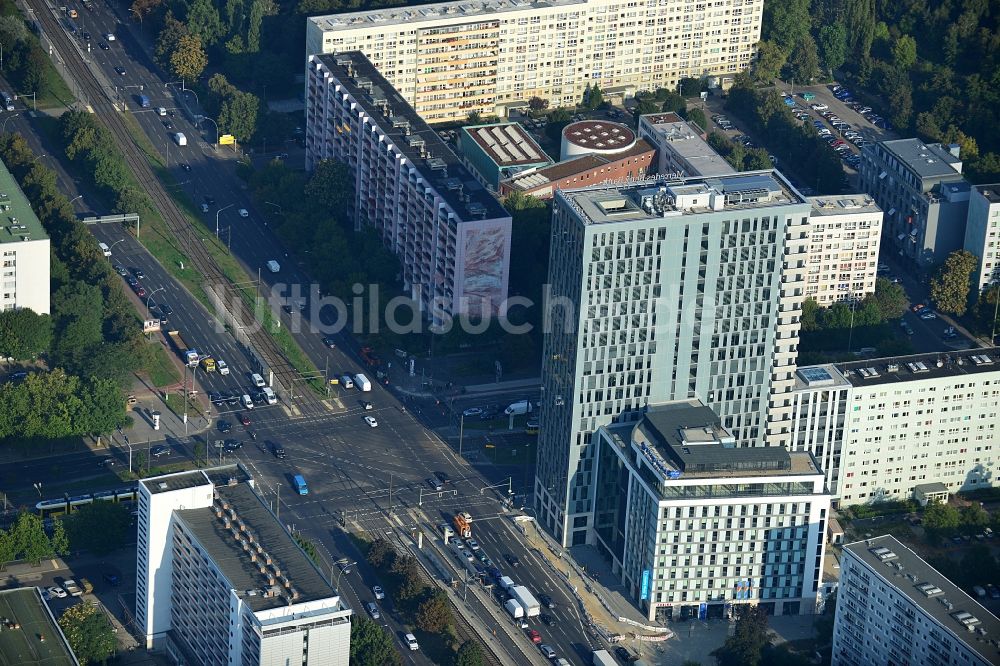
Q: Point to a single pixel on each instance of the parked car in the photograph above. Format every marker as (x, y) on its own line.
(378, 592)
(244, 420)
(159, 450)
(534, 636)
(225, 426)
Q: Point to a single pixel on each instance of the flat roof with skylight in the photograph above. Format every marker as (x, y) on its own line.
(879, 371)
(18, 222)
(927, 160)
(846, 204)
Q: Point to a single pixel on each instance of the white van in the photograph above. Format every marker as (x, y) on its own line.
(269, 395)
(257, 380)
(104, 249)
(180, 139)
(247, 401)
(273, 266)
(347, 382)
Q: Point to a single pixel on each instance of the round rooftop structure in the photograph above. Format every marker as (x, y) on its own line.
(588, 137)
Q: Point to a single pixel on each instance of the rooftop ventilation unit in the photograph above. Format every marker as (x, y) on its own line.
(882, 553)
(930, 590)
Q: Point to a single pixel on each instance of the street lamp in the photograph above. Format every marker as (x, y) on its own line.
(150, 297)
(217, 213)
(216, 129)
(115, 243)
(79, 196)
(281, 211)
(3, 128)
(38, 487)
(345, 566)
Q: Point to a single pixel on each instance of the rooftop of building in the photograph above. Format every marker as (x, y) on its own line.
(688, 144)
(845, 204)
(18, 222)
(577, 165)
(686, 439)
(599, 135)
(663, 198)
(413, 137)
(880, 371)
(24, 606)
(927, 160)
(507, 144)
(990, 192)
(241, 535)
(823, 376)
(199, 477)
(932, 592)
(461, 9)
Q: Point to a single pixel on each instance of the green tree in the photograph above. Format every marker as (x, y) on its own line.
(238, 115)
(538, 104)
(143, 8)
(770, 61)
(803, 63)
(786, 22)
(188, 59)
(410, 585)
(307, 546)
(100, 528)
(746, 646)
(974, 518)
(941, 517)
(697, 116)
(890, 298)
(859, 19)
(23, 334)
(950, 287)
(833, 46)
(904, 52)
(60, 542)
(31, 541)
(671, 102)
(200, 457)
(987, 310)
(166, 42)
(331, 186)
(371, 645)
(647, 105)
(204, 21)
(434, 613)
(380, 552)
(89, 633)
(690, 87)
(470, 654)
(593, 97)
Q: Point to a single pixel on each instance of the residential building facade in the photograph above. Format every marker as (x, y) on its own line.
(219, 580)
(665, 291)
(634, 164)
(681, 147)
(925, 198)
(695, 525)
(880, 428)
(24, 251)
(982, 234)
(451, 236)
(499, 151)
(845, 234)
(895, 608)
(451, 59)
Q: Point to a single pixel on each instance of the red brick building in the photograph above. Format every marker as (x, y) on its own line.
(635, 163)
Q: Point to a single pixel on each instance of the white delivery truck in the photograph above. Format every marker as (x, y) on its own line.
(519, 407)
(362, 382)
(528, 602)
(604, 658)
(514, 609)
(180, 139)
(506, 582)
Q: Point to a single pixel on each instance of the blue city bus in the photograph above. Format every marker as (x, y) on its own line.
(300, 485)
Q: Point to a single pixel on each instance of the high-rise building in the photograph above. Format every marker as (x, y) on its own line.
(895, 608)
(925, 198)
(665, 291)
(882, 428)
(219, 580)
(845, 233)
(982, 234)
(451, 59)
(451, 236)
(696, 525)
(24, 251)
(682, 147)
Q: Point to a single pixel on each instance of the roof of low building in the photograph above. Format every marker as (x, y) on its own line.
(927, 160)
(507, 144)
(22, 646)
(18, 221)
(577, 165)
(845, 204)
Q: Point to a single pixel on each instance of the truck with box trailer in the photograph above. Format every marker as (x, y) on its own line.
(187, 353)
(514, 608)
(362, 382)
(518, 408)
(506, 582)
(603, 658)
(528, 602)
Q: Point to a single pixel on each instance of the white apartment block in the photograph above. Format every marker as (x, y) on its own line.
(220, 581)
(453, 58)
(880, 428)
(451, 236)
(844, 239)
(24, 251)
(895, 608)
(982, 234)
(696, 525)
(666, 291)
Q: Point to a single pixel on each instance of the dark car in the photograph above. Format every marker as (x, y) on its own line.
(104, 46)
(210, 201)
(138, 274)
(546, 601)
(512, 560)
(168, 125)
(132, 282)
(166, 309)
(120, 71)
(186, 166)
(225, 426)
(112, 579)
(244, 419)
(278, 450)
(159, 450)
(622, 653)
(548, 620)
(233, 445)
(86, 36)
(330, 342)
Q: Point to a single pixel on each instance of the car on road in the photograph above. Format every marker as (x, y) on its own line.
(473, 411)
(917, 308)
(367, 406)
(244, 420)
(140, 292)
(435, 484)
(370, 420)
(330, 342)
(278, 451)
(103, 46)
(547, 651)
(225, 426)
(159, 450)
(906, 328)
(204, 207)
(106, 462)
(993, 591)
(244, 212)
(928, 314)
(57, 592)
(186, 166)
(622, 653)
(546, 601)
(132, 282)
(411, 642)
(472, 543)
(819, 107)
(138, 274)
(110, 36)
(378, 592)
(233, 445)
(512, 560)
(373, 610)
(111, 579)
(120, 270)
(120, 71)
(168, 125)
(534, 636)
(257, 380)
(86, 36)
(548, 620)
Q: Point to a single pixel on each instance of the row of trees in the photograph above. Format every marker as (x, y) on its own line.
(793, 143)
(99, 528)
(932, 67)
(953, 292)
(739, 156)
(89, 632)
(24, 61)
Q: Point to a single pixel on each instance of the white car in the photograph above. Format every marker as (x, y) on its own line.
(70, 586)
(373, 610)
(819, 107)
(222, 366)
(411, 641)
(110, 36)
(257, 380)
(370, 420)
(378, 592)
(244, 212)
(56, 592)
(472, 543)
